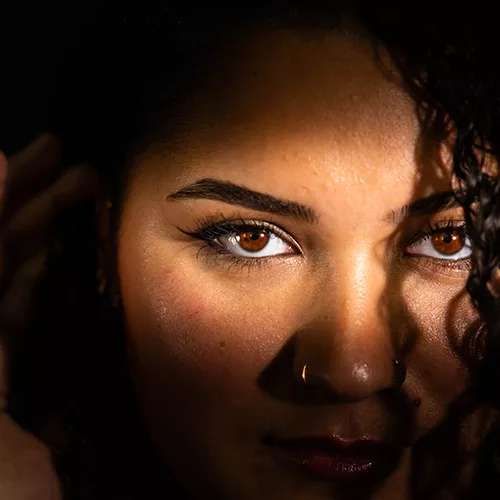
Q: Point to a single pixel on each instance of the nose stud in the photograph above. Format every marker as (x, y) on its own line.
(304, 374)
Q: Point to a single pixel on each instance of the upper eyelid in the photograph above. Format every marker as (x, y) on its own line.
(431, 228)
(237, 222)
(270, 226)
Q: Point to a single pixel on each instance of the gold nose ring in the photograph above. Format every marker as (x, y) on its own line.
(304, 374)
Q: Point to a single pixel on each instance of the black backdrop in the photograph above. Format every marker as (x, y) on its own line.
(35, 40)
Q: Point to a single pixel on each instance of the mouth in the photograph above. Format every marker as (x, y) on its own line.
(332, 458)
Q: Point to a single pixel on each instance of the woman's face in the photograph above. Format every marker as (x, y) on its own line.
(342, 259)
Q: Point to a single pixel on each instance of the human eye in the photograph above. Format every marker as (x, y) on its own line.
(446, 244)
(244, 242)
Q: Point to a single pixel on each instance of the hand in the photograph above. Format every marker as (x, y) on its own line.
(31, 195)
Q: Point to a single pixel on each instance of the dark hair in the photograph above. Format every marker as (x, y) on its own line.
(122, 93)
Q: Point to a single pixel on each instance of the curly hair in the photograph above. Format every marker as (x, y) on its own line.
(116, 99)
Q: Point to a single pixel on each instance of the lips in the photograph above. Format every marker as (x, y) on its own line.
(334, 459)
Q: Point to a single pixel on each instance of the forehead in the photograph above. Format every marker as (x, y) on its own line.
(315, 109)
(326, 82)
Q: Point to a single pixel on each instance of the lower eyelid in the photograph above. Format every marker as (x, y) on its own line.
(449, 268)
(235, 263)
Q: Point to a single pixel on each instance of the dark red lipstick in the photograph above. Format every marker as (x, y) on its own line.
(334, 459)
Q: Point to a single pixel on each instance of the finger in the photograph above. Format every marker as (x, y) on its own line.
(17, 299)
(33, 164)
(26, 470)
(73, 187)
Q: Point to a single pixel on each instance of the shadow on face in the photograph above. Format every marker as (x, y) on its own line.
(301, 216)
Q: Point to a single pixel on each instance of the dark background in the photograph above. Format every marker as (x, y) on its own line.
(36, 40)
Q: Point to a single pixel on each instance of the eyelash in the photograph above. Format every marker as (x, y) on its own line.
(436, 228)
(212, 227)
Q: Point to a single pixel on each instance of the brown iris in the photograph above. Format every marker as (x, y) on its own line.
(253, 241)
(448, 242)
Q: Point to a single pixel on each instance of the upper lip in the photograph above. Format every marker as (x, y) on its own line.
(337, 445)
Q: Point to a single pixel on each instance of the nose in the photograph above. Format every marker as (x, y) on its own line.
(348, 346)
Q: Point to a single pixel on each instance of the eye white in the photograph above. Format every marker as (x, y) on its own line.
(275, 246)
(424, 247)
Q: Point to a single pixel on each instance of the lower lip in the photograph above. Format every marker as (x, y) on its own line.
(331, 466)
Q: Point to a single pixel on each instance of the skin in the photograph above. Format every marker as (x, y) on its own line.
(216, 350)
(32, 192)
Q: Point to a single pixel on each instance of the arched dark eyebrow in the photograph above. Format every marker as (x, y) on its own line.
(429, 205)
(227, 192)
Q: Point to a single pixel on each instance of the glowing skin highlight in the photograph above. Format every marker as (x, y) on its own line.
(217, 347)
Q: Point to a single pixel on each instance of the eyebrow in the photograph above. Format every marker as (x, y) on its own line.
(234, 194)
(227, 192)
(429, 205)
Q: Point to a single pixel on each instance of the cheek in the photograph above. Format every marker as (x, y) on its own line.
(196, 344)
(441, 315)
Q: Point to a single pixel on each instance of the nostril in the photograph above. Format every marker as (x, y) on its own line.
(399, 372)
(351, 380)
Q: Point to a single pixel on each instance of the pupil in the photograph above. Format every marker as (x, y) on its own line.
(448, 238)
(254, 236)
